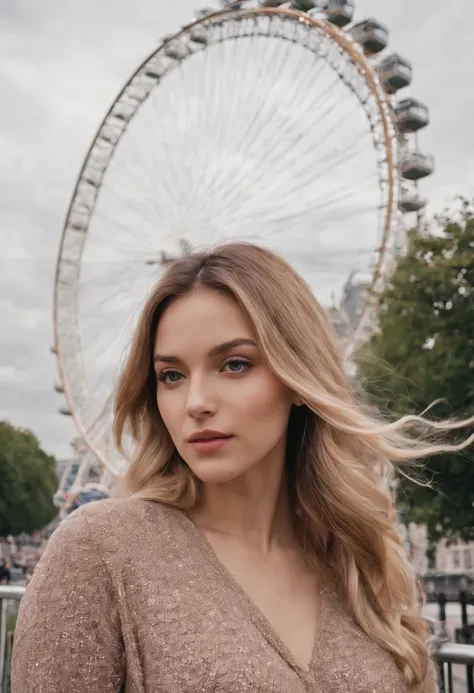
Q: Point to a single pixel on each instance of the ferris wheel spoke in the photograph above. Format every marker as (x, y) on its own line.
(126, 253)
(104, 354)
(334, 165)
(263, 118)
(350, 214)
(101, 255)
(118, 197)
(167, 183)
(264, 122)
(271, 62)
(273, 154)
(114, 303)
(295, 183)
(335, 126)
(322, 220)
(112, 277)
(288, 193)
(103, 378)
(348, 152)
(126, 248)
(232, 98)
(343, 196)
(269, 117)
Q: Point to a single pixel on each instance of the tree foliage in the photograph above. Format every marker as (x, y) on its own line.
(424, 351)
(27, 482)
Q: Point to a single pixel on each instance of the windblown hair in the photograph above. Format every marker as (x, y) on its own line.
(340, 455)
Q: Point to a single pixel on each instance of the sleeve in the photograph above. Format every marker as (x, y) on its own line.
(68, 632)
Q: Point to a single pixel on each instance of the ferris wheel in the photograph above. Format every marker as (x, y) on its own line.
(271, 122)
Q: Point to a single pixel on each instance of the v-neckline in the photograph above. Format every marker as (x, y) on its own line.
(265, 627)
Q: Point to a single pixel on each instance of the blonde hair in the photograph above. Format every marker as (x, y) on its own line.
(340, 455)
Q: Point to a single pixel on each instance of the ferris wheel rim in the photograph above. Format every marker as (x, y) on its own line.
(335, 35)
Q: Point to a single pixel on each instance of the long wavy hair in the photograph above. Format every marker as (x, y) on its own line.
(340, 456)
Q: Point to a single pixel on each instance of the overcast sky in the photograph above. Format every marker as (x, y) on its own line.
(61, 65)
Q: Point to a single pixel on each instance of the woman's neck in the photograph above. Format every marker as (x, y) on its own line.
(253, 509)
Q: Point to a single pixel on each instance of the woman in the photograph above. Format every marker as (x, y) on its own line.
(258, 548)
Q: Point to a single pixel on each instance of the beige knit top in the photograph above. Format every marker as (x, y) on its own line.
(130, 596)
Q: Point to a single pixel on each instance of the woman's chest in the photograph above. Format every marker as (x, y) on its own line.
(190, 632)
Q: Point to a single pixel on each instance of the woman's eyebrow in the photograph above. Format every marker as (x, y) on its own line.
(215, 351)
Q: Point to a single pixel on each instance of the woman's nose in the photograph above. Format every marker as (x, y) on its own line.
(199, 401)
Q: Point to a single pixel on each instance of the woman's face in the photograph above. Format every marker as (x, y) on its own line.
(212, 381)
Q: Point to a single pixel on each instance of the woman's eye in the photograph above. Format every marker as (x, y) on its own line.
(237, 365)
(169, 377)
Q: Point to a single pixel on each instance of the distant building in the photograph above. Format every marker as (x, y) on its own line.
(457, 559)
(341, 325)
(61, 466)
(354, 297)
(415, 538)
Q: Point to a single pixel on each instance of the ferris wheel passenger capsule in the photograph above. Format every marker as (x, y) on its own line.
(204, 12)
(65, 412)
(303, 5)
(411, 201)
(199, 34)
(176, 50)
(394, 72)
(411, 115)
(415, 165)
(371, 34)
(338, 12)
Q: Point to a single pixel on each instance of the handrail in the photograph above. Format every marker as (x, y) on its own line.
(7, 593)
(12, 591)
(455, 653)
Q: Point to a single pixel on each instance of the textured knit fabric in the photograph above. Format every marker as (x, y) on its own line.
(130, 596)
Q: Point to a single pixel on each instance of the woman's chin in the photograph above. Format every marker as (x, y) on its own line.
(218, 471)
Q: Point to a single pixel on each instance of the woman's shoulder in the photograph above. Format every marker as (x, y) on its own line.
(116, 521)
(107, 511)
(115, 513)
(109, 534)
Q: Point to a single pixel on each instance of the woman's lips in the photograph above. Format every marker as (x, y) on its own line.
(210, 444)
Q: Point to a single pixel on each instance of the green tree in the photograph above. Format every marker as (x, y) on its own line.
(27, 482)
(424, 351)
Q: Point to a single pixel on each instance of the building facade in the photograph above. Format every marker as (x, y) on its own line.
(456, 559)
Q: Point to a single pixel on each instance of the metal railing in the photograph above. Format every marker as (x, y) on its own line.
(455, 668)
(455, 662)
(10, 596)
